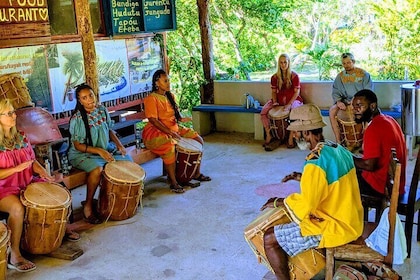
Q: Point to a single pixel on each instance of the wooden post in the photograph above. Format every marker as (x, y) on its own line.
(84, 29)
(207, 51)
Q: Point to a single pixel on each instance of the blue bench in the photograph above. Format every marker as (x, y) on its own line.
(394, 114)
(226, 108)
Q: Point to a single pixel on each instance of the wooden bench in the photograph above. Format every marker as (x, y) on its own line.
(204, 119)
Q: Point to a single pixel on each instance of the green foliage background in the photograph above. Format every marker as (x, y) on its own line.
(248, 36)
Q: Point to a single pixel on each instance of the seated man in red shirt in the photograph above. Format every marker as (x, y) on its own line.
(382, 133)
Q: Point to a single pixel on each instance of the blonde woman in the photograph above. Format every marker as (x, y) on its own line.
(17, 166)
(285, 91)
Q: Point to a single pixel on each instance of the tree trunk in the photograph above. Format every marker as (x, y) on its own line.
(207, 96)
(84, 29)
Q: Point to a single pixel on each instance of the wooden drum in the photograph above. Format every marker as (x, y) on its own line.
(14, 88)
(351, 132)
(254, 232)
(4, 244)
(302, 266)
(188, 159)
(47, 208)
(278, 122)
(121, 190)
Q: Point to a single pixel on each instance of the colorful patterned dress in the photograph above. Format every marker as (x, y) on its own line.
(21, 153)
(99, 123)
(158, 106)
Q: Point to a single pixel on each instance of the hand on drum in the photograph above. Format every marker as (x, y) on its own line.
(270, 203)
(341, 105)
(174, 134)
(106, 155)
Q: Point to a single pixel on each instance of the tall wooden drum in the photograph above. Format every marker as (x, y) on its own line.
(47, 208)
(4, 244)
(278, 122)
(14, 88)
(188, 158)
(351, 132)
(121, 190)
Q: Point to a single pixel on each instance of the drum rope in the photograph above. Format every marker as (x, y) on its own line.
(111, 197)
(187, 164)
(127, 200)
(62, 222)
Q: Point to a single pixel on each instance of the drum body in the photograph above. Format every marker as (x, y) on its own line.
(302, 266)
(254, 232)
(4, 244)
(278, 122)
(351, 132)
(14, 88)
(121, 190)
(188, 159)
(47, 208)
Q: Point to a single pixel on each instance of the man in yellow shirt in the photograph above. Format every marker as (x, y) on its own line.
(328, 211)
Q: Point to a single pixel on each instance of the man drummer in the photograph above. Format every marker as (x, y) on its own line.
(382, 133)
(328, 211)
(346, 84)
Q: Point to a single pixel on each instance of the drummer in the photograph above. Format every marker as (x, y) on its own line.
(17, 168)
(346, 84)
(162, 130)
(285, 91)
(91, 133)
(319, 220)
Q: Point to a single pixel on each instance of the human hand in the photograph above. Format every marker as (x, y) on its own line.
(270, 203)
(341, 105)
(174, 134)
(122, 150)
(106, 155)
(292, 176)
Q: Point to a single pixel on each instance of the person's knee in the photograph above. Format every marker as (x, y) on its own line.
(95, 173)
(333, 110)
(270, 238)
(16, 210)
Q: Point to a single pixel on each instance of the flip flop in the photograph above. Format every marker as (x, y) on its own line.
(72, 236)
(17, 266)
(202, 178)
(176, 189)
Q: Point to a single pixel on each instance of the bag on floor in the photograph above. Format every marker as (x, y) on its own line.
(380, 270)
(346, 272)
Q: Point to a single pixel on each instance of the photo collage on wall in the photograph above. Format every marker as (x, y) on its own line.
(51, 72)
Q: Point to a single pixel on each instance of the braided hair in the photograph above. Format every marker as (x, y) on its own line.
(79, 108)
(156, 77)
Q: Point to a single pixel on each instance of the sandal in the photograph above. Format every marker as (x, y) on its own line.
(202, 178)
(92, 219)
(72, 236)
(176, 188)
(19, 266)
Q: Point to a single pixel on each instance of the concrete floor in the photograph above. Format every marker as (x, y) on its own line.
(195, 235)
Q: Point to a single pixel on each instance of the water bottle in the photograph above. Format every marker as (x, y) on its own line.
(138, 139)
(47, 166)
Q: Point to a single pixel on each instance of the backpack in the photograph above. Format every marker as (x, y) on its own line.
(346, 272)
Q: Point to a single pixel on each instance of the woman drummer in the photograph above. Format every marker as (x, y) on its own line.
(17, 168)
(91, 133)
(285, 91)
(162, 129)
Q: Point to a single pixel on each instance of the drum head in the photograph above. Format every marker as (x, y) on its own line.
(278, 113)
(188, 144)
(47, 195)
(346, 115)
(124, 171)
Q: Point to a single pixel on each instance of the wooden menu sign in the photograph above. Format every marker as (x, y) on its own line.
(24, 19)
(159, 15)
(137, 16)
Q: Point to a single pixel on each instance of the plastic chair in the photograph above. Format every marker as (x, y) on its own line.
(358, 251)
